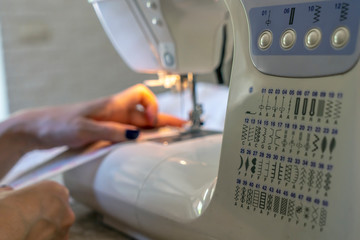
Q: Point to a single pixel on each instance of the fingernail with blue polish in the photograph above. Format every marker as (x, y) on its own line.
(132, 134)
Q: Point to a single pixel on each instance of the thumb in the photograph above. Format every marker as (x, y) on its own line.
(111, 131)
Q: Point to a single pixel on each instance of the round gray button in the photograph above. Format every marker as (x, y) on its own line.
(340, 37)
(288, 39)
(313, 38)
(150, 4)
(265, 40)
(156, 21)
(169, 59)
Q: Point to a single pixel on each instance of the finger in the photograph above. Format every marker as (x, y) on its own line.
(54, 187)
(141, 119)
(110, 131)
(119, 107)
(168, 120)
(138, 119)
(146, 97)
(140, 94)
(68, 220)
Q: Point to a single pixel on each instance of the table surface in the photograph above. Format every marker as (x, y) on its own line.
(88, 226)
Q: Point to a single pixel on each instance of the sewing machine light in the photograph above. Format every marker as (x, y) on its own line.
(164, 80)
(176, 82)
(183, 162)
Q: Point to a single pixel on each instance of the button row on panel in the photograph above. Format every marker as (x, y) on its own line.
(339, 38)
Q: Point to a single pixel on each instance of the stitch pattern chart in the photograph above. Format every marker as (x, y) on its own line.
(286, 157)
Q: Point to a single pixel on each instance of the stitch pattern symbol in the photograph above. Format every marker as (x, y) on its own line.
(314, 215)
(289, 106)
(237, 193)
(282, 109)
(297, 106)
(244, 132)
(247, 164)
(283, 207)
(243, 193)
(317, 14)
(320, 109)
(323, 144)
(311, 178)
(271, 136)
(277, 137)
(302, 176)
(269, 202)
(327, 181)
(267, 107)
(295, 175)
(260, 167)
(288, 170)
(267, 169)
(273, 171)
(344, 11)
(251, 134)
(332, 145)
(329, 108)
(241, 164)
(249, 197)
(276, 207)
(284, 142)
(257, 134)
(264, 135)
(337, 109)
(305, 105)
(323, 215)
(312, 107)
(298, 211)
(307, 213)
(261, 106)
(256, 198)
(274, 108)
(291, 208)
(253, 168)
(307, 144)
(262, 200)
(317, 139)
(280, 172)
(299, 144)
(319, 180)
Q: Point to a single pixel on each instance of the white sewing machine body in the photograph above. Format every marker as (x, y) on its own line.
(289, 164)
(153, 36)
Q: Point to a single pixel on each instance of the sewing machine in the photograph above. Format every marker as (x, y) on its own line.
(288, 166)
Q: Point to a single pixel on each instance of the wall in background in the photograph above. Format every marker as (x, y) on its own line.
(4, 105)
(56, 52)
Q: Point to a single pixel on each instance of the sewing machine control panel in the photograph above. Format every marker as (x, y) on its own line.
(290, 165)
(310, 32)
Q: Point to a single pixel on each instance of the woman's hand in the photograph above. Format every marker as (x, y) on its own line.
(38, 212)
(114, 119)
(135, 106)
